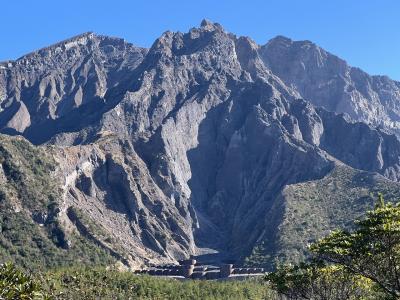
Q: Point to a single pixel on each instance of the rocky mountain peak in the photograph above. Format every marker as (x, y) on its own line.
(210, 26)
(280, 39)
(328, 81)
(208, 35)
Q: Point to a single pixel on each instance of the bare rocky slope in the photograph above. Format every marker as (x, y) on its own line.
(328, 81)
(204, 142)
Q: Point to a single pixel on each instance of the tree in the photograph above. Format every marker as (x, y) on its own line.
(371, 250)
(319, 282)
(14, 284)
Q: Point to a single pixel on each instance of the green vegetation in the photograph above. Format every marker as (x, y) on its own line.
(32, 247)
(31, 234)
(28, 172)
(372, 250)
(320, 282)
(360, 264)
(16, 285)
(92, 283)
(100, 283)
(310, 210)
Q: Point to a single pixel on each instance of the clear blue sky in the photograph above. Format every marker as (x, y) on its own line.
(366, 33)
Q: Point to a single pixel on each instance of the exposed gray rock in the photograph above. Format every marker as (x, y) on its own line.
(48, 91)
(329, 82)
(111, 185)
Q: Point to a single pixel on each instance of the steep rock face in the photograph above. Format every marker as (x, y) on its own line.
(361, 146)
(112, 187)
(329, 82)
(47, 88)
(194, 143)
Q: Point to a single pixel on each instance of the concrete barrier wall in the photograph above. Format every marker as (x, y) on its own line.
(188, 269)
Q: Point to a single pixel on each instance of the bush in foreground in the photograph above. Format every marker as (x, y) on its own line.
(14, 284)
(319, 282)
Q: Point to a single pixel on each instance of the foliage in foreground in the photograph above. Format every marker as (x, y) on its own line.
(14, 284)
(101, 283)
(372, 250)
(362, 264)
(319, 282)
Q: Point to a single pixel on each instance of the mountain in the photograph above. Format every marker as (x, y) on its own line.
(328, 81)
(204, 143)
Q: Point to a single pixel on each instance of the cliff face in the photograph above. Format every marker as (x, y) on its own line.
(111, 186)
(198, 143)
(328, 81)
(68, 80)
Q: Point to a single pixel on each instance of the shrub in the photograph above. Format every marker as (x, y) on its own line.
(319, 282)
(14, 284)
(372, 250)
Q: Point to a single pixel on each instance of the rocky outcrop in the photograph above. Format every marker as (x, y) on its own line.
(329, 82)
(112, 187)
(50, 89)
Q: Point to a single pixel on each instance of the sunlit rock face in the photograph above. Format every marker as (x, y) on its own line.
(190, 145)
(328, 81)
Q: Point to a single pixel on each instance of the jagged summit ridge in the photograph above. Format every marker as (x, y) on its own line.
(209, 25)
(67, 43)
(328, 81)
(54, 81)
